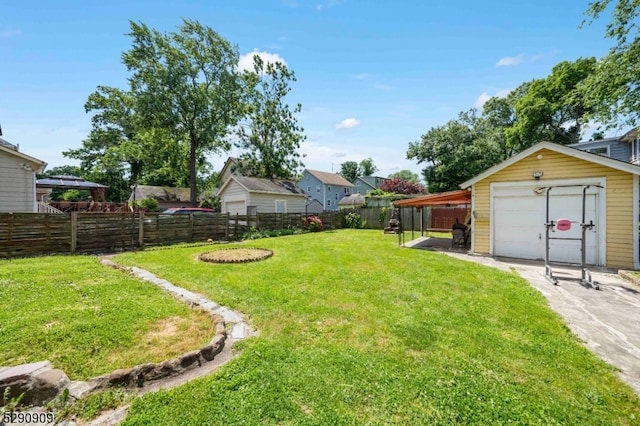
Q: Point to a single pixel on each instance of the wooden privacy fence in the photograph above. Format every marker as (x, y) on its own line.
(434, 218)
(36, 234)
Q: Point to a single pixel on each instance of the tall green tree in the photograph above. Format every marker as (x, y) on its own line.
(122, 149)
(366, 167)
(498, 116)
(613, 91)
(185, 84)
(454, 152)
(349, 170)
(406, 175)
(272, 135)
(553, 108)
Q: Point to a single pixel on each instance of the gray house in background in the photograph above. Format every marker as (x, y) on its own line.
(624, 148)
(363, 184)
(327, 188)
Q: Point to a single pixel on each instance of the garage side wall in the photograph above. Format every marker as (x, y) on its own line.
(266, 203)
(555, 166)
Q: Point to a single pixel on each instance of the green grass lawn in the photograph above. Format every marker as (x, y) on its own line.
(88, 319)
(355, 330)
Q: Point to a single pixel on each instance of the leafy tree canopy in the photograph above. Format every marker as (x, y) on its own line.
(407, 175)
(183, 98)
(553, 108)
(613, 91)
(272, 136)
(367, 168)
(349, 170)
(454, 152)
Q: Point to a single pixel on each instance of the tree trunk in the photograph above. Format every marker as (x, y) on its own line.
(193, 184)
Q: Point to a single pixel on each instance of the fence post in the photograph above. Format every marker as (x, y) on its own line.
(141, 229)
(190, 227)
(74, 231)
(226, 232)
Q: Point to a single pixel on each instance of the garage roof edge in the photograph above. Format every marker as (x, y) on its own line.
(562, 149)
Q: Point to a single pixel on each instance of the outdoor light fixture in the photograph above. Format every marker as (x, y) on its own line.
(537, 175)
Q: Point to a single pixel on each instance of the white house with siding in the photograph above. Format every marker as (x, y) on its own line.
(18, 177)
(248, 195)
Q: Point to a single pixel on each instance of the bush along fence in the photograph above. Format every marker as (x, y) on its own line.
(37, 234)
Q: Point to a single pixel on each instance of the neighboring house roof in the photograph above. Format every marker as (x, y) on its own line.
(370, 180)
(352, 200)
(329, 178)
(38, 166)
(229, 166)
(562, 149)
(68, 182)
(265, 186)
(161, 193)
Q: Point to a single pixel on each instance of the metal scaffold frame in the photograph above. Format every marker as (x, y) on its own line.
(585, 278)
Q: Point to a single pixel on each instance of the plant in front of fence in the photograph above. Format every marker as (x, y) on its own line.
(254, 233)
(354, 220)
(312, 224)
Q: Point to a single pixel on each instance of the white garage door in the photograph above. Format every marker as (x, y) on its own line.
(235, 207)
(518, 219)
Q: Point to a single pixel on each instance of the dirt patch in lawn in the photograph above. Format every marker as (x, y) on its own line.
(236, 255)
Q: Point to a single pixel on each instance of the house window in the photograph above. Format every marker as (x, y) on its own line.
(601, 150)
(281, 206)
(329, 188)
(318, 189)
(308, 190)
(328, 202)
(346, 190)
(336, 196)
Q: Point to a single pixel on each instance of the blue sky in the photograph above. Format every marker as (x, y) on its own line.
(372, 75)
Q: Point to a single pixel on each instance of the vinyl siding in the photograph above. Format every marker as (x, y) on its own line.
(232, 192)
(266, 203)
(17, 193)
(619, 199)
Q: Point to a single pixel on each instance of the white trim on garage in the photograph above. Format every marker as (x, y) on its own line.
(517, 188)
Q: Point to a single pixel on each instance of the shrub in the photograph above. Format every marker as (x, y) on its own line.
(353, 220)
(151, 204)
(312, 224)
(71, 195)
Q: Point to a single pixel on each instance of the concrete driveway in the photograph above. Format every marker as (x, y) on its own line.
(607, 320)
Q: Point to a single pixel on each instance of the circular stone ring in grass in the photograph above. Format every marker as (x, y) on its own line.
(236, 255)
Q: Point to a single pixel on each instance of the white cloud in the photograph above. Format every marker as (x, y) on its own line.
(348, 123)
(510, 60)
(484, 97)
(246, 61)
(6, 33)
(326, 5)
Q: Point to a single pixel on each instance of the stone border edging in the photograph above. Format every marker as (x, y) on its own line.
(136, 377)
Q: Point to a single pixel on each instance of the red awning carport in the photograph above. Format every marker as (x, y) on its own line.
(451, 198)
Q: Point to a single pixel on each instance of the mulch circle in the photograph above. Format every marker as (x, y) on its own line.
(236, 255)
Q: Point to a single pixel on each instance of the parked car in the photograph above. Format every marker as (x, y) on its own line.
(189, 210)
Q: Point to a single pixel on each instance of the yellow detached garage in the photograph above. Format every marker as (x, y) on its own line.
(509, 206)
